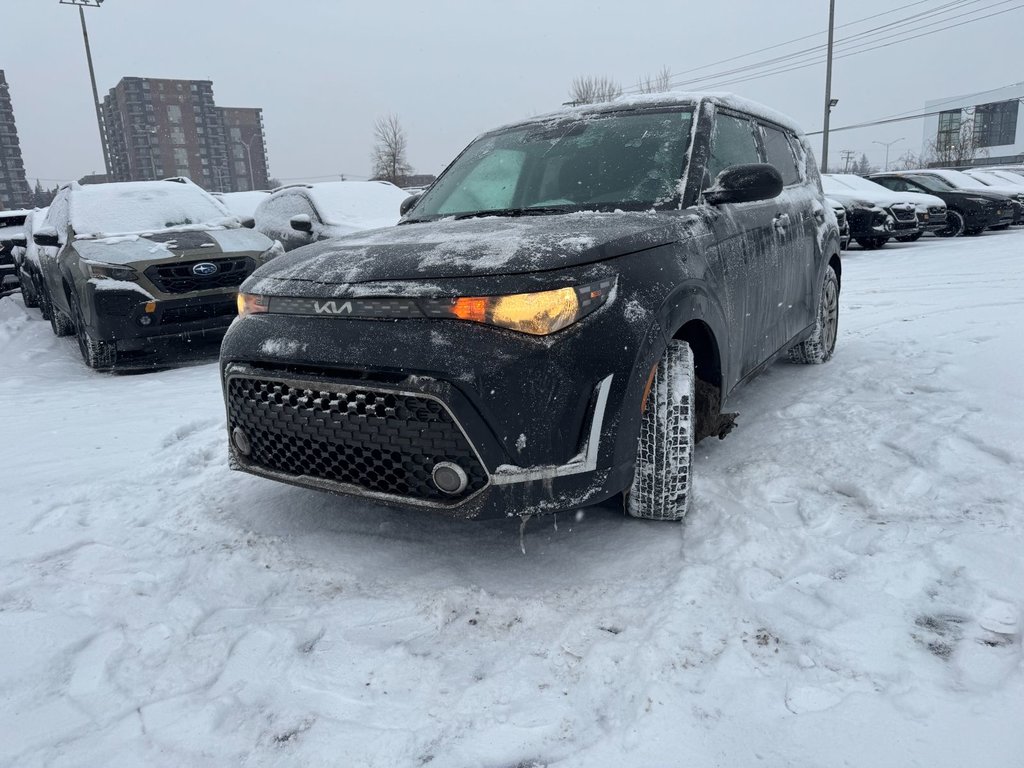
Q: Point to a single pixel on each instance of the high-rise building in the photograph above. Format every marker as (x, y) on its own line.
(158, 128)
(14, 191)
(246, 147)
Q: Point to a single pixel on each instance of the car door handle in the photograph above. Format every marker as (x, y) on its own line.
(780, 222)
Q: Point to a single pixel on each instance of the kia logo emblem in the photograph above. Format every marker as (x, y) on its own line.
(205, 269)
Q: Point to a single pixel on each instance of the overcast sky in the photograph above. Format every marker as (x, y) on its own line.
(323, 70)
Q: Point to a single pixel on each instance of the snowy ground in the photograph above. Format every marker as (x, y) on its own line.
(847, 591)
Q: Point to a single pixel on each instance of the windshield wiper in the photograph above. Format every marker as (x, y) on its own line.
(534, 210)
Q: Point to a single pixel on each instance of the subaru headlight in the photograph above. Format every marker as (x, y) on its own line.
(111, 272)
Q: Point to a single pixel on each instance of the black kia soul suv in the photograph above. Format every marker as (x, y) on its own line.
(554, 322)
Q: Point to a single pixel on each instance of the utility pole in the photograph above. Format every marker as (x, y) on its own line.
(887, 144)
(847, 157)
(829, 101)
(92, 77)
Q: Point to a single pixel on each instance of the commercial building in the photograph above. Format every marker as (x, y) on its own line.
(14, 190)
(976, 129)
(158, 128)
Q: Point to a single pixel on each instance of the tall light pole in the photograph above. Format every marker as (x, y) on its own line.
(888, 144)
(829, 101)
(248, 152)
(82, 4)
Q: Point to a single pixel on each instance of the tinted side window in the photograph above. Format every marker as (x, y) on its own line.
(732, 144)
(780, 154)
(897, 185)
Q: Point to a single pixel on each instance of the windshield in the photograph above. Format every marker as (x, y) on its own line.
(933, 183)
(859, 182)
(960, 180)
(132, 208)
(629, 161)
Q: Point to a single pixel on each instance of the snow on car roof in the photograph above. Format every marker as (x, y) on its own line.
(365, 204)
(673, 98)
(134, 207)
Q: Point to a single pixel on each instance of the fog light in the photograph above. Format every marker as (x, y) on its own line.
(449, 478)
(241, 441)
(145, 320)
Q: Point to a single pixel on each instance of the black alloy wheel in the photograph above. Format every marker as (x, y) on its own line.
(955, 225)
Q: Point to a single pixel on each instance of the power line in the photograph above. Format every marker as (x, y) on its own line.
(886, 121)
(850, 41)
(847, 54)
(788, 42)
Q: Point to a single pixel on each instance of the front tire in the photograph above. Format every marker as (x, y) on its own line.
(28, 289)
(98, 355)
(910, 238)
(664, 456)
(872, 243)
(821, 344)
(955, 224)
(60, 323)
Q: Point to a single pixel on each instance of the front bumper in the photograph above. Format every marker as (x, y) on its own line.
(539, 422)
(134, 320)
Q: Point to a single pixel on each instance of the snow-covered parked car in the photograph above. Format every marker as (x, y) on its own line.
(844, 226)
(12, 235)
(243, 204)
(555, 322)
(131, 264)
(305, 213)
(26, 261)
(875, 217)
(931, 210)
(969, 211)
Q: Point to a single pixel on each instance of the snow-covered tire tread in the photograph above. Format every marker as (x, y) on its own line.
(664, 457)
(820, 345)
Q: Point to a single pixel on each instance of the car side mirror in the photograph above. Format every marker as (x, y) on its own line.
(408, 203)
(302, 223)
(248, 222)
(46, 237)
(745, 184)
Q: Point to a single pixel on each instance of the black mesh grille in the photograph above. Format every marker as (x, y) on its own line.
(904, 215)
(179, 277)
(205, 311)
(380, 441)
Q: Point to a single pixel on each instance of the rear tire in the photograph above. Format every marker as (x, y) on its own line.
(821, 344)
(955, 224)
(28, 289)
(664, 456)
(60, 323)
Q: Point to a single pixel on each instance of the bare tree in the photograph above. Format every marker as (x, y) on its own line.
(389, 150)
(907, 162)
(590, 90)
(959, 147)
(659, 83)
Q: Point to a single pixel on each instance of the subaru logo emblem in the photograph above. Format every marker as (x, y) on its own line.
(205, 269)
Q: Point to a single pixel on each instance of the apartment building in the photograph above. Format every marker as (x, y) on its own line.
(158, 128)
(14, 189)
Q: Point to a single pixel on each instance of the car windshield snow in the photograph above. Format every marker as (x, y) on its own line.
(629, 161)
(933, 183)
(118, 209)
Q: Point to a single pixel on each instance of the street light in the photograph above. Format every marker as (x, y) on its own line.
(82, 5)
(248, 152)
(887, 145)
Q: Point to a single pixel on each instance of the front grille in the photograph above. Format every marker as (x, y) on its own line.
(199, 312)
(376, 440)
(179, 277)
(903, 214)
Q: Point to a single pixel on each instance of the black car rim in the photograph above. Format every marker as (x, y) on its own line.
(830, 321)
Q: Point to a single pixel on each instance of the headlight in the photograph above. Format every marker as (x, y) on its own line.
(111, 272)
(539, 314)
(251, 304)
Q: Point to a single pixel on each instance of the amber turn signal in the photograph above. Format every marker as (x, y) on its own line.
(251, 304)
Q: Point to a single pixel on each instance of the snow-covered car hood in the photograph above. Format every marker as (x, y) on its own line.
(130, 249)
(468, 247)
